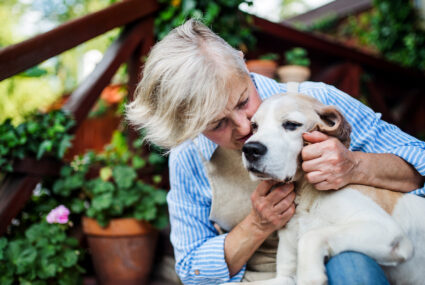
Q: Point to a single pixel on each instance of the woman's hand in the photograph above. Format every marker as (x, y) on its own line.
(328, 164)
(272, 205)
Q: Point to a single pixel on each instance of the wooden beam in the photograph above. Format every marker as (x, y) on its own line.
(35, 167)
(83, 98)
(135, 62)
(345, 76)
(15, 191)
(19, 57)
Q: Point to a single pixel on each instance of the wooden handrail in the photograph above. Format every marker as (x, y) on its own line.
(19, 57)
(84, 97)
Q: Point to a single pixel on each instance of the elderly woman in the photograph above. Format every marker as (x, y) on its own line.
(196, 98)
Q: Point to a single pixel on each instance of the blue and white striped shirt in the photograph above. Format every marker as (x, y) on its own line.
(199, 249)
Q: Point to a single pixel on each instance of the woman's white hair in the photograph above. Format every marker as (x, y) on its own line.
(186, 84)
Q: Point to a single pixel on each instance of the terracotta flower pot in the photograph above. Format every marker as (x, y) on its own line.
(123, 252)
(262, 66)
(293, 73)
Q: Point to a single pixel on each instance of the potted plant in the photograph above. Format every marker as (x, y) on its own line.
(265, 65)
(43, 254)
(296, 68)
(117, 193)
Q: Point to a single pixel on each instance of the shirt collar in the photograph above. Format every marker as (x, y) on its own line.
(265, 87)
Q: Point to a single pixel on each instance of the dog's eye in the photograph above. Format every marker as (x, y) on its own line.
(254, 126)
(291, 126)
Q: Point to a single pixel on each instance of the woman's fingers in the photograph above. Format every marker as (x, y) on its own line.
(275, 206)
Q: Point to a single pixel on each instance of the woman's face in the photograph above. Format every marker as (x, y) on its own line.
(233, 127)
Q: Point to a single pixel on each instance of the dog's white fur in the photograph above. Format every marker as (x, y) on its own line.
(382, 224)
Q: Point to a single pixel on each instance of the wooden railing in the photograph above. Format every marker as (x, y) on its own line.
(135, 41)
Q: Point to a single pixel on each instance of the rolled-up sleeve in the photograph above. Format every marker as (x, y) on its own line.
(373, 135)
(199, 250)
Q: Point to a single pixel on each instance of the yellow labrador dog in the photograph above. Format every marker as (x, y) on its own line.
(385, 225)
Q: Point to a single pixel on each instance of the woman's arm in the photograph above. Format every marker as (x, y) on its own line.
(380, 153)
(330, 165)
(271, 211)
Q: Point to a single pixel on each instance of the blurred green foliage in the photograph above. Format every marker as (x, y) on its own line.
(392, 28)
(220, 15)
(397, 33)
(40, 86)
(39, 135)
(45, 254)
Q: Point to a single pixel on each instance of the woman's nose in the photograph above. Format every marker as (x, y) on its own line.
(242, 123)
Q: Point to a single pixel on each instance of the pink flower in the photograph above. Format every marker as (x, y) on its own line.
(58, 215)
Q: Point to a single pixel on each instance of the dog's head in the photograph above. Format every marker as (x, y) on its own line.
(273, 151)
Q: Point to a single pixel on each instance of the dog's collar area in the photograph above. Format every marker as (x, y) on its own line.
(292, 87)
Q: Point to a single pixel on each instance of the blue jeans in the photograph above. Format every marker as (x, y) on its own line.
(354, 268)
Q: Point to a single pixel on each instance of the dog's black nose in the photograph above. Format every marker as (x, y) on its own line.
(254, 150)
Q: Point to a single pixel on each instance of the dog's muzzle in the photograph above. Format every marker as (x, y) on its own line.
(253, 151)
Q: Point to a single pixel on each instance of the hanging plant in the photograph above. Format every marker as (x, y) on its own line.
(221, 15)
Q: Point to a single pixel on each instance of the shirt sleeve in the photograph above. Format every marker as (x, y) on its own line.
(199, 250)
(373, 135)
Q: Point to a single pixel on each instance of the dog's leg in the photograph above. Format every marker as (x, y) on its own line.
(382, 240)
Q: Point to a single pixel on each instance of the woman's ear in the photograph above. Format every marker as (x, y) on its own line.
(334, 124)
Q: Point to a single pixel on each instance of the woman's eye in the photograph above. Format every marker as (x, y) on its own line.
(219, 125)
(291, 126)
(254, 126)
(244, 102)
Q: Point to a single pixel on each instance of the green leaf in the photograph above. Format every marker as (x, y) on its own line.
(157, 179)
(98, 186)
(3, 244)
(156, 159)
(119, 142)
(34, 72)
(48, 269)
(70, 258)
(160, 196)
(45, 146)
(64, 144)
(160, 222)
(102, 201)
(6, 280)
(26, 257)
(124, 176)
(138, 162)
(77, 206)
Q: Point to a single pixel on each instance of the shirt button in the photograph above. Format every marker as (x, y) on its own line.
(197, 272)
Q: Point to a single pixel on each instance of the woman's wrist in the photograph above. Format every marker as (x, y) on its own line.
(384, 171)
(241, 243)
(253, 225)
(360, 174)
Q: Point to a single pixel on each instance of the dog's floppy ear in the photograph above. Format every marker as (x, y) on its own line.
(334, 124)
